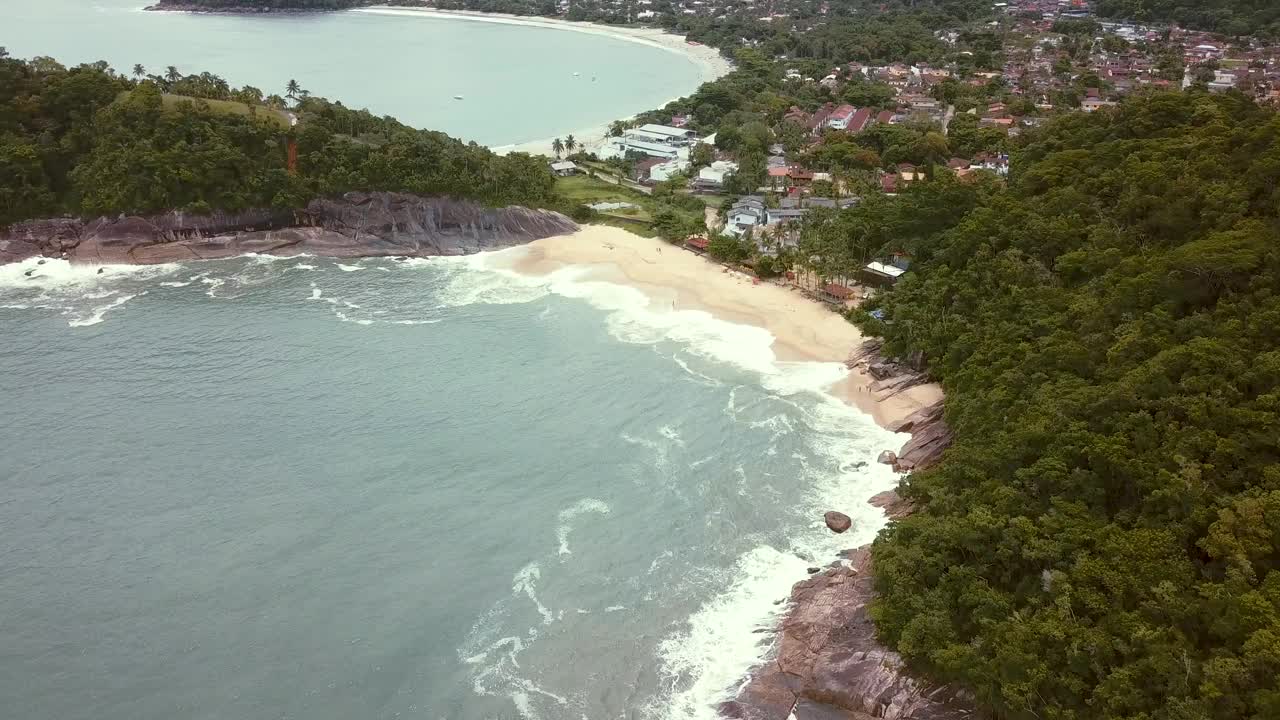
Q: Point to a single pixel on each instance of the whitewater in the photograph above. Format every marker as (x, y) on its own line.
(375, 488)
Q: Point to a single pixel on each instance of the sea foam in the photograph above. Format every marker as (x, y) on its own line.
(82, 293)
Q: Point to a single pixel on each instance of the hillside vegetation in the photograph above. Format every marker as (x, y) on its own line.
(88, 141)
(1103, 539)
(1233, 17)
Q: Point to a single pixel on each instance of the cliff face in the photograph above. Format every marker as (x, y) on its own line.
(355, 225)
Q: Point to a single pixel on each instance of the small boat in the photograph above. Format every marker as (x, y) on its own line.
(457, 97)
(576, 74)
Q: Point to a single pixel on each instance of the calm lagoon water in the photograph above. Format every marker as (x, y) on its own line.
(518, 82)
(302, 488)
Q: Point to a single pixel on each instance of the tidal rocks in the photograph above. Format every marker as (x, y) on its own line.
(888, 457)
(354, 225)
(838, 522)
(829, 665)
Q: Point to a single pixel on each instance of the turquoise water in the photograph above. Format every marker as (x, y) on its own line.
(303, 488)
(518, 82)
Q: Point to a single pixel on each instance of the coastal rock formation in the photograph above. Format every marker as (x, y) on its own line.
(838, 522)
(893, 504)
(888, 377)
(930, 437)
(354, 225)
(829, 666)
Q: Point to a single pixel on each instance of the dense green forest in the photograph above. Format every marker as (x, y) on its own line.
(88, 141)
(1232, 17)
(1103, 539)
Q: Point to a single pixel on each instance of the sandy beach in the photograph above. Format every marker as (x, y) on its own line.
(806, 330)
(710, 63)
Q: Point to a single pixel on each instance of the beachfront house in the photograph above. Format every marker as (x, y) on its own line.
(748, 212)
(669, 134)
(881, 274)
(631, 143)
(564, 168)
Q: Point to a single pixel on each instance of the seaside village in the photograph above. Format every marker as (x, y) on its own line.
(823, 156)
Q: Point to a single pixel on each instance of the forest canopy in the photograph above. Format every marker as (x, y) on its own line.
(1103, 538)
(89, 141)
(1232, 17)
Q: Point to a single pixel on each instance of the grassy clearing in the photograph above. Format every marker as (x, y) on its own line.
(230, 107)
(587, 190)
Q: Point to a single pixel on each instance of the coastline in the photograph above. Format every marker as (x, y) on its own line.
(824, 661)
(709, 62)
(805, 330)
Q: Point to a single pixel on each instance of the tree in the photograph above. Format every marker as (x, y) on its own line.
(172, 75)
(291, 89)
(570, 144)
(557, 146)
(701, 155)
(138, 70)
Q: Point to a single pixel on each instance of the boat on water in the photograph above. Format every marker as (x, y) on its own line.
(457, 97)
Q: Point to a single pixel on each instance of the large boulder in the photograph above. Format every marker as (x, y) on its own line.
(838, 522)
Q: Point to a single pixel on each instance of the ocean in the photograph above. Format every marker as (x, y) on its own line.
(308, 488)
(520, 84)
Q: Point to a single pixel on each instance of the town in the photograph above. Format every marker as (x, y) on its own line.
(821, 137)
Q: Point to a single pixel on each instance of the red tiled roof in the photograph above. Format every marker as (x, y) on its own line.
(839, 291)
(860, 120)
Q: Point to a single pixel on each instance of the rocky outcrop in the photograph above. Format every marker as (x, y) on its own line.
(930, 437)
(894, 505)
(828, 665)
(837, 522)
(888, 376)
(354, 225)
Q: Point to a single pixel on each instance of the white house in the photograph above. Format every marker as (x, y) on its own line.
(745, 214)
(664, 172)
(714, 174)
(673, 135)
(626, 144)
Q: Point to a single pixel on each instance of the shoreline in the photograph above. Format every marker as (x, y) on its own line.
(804, 330)
(824, 642)
(708, 61)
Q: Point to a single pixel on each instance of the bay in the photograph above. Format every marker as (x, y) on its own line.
(519, 83)
(307, 488)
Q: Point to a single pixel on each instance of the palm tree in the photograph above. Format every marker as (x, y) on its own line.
(557, 145)
(570, 144)
(171, 74)
(292, 89)
(138, 70)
